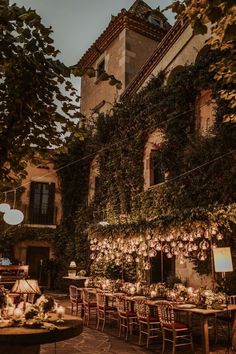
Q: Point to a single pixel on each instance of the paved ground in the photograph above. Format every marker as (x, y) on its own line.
(92, 341)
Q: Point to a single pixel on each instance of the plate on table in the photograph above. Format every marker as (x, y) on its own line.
(186, 306)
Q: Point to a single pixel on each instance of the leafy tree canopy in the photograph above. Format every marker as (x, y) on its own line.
(37, 101)
(220, 17)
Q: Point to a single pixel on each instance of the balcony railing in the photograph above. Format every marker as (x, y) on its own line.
(32, 218)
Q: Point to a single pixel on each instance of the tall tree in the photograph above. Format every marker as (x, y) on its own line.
(38, 103)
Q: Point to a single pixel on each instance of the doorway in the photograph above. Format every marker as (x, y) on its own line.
(37, 259)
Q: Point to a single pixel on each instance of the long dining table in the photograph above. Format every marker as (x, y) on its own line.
(203, 314)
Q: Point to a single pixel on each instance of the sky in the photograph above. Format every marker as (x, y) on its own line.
(76, 24)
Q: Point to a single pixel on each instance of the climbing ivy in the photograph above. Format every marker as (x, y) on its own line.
(119, 140)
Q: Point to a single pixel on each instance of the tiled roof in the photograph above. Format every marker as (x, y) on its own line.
(140, 9)
(170, 38)
(135, 18)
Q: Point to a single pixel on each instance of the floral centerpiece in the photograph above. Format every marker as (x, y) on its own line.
(45, 304)
(210, 299)
(3, 298)
(158, 290)
(5, 301)
(181, 292)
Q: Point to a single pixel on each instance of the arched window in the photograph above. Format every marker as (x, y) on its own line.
(174, 72)
(94, 177)
(153, 170)
(205, 112)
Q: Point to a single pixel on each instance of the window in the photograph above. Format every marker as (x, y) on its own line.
(154, 20)
(100, 68)
(157, 174)
(205, 113)
(42, 196)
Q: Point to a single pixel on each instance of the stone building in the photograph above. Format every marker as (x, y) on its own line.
(137, 44)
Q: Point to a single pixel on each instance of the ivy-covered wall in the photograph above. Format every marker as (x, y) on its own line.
(119, 140)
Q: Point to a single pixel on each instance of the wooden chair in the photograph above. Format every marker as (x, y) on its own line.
(127, 317)
(89, 304)
(178, 333)
(224, 321)
(76, 299)
(104, 311)
(149, 324)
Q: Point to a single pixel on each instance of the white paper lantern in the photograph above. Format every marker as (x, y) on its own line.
(13, 217)
(4, 207)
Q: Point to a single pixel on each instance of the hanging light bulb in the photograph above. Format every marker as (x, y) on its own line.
(195, 247)
(166, 248)
(169, 255)
(158, 246)
(152, 253)
(219, 237)
(147, 266)
(4, 207)
(204, 245)
(13, 217)
(202, 256)
(173, 243)
(174, 251)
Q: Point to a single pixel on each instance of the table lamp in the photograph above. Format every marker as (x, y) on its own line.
(25, 287)
(72, 269)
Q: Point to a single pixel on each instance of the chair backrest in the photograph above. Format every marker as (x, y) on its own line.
(88, 296)
(101, 299)
(232, 299)
(142, 309)
(165, 313)
(74, 292)
(121, 304)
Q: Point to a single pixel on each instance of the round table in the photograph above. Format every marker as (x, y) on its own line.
(22, 340)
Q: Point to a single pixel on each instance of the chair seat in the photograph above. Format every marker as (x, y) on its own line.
(78, 301)
(149, 319)
(128, 314)
(176, 325)
(91, 304)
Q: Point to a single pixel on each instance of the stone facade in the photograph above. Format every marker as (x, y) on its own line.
(43, 173)
(133, 58)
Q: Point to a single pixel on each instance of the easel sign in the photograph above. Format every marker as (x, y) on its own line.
(222, 259)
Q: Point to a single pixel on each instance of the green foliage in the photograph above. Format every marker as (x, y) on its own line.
(172, 280)
(119, 141)
(219, 18)
(31, 79)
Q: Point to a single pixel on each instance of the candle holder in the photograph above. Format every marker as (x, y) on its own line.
(60, 312)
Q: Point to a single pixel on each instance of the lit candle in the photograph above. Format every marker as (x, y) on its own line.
(60, 312)
(18, 313)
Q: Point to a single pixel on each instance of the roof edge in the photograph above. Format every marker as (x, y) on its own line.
(170, 38)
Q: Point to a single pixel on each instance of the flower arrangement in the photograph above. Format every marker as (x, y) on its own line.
(5, 300)
(181, 292)
(159, 289)
(45, 303)
(208, 298)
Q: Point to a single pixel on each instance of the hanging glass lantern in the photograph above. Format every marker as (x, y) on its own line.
(219, 237)
(204, 245)
(202, 256)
